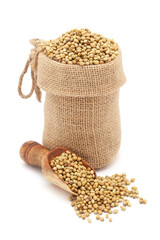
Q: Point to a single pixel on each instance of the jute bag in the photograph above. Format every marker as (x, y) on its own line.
(81, 110)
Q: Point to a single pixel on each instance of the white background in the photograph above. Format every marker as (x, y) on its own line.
(32, 208)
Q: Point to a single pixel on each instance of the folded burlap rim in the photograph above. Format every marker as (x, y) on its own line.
(71, 80)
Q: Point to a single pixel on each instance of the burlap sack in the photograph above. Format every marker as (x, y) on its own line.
(81, 109)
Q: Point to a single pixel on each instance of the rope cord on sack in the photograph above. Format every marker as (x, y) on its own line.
(33, 62)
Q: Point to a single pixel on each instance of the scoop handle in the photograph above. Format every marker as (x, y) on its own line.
(33, 153)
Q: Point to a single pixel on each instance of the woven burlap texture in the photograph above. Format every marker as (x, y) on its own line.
(81, 109)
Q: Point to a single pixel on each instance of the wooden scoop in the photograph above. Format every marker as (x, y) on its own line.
(35, 154)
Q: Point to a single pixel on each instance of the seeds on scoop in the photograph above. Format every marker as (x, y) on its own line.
(94, 195)
(71, 169)
(80, 47)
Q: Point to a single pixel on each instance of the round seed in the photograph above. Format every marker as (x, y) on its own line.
(132, 180)
(115, 211)
(144, 201)
(97, 217)
(123, 208)
(101, 219)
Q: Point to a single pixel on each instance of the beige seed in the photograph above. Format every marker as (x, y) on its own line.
(115, 211)
(134, 188)
(101, 196)
(95, 206)
(107, 215)
(99, 212)
(95, 185)
(93, 45)
(96, 62)
(110, 219)
(144, 201)
(89, 220)
(81, 63)
(101, 219)
(132, 180)
(97, 217)
(123, 208)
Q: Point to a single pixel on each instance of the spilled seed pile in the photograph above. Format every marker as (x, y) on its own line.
(80, 47)
(96, 195)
